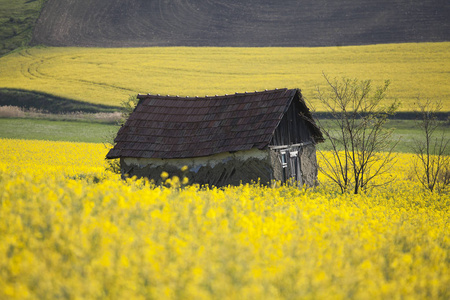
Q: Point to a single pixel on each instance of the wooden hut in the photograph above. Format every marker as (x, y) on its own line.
(223, 140)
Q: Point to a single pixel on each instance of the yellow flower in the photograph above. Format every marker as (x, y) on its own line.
(62, 232)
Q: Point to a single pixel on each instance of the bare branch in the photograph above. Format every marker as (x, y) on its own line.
(358, 133)
(431, 164)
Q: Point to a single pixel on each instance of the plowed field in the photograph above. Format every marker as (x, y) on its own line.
(133, 23)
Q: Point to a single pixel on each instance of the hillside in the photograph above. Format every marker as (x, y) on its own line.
(108, 76)
(17, 19)
(133, 23)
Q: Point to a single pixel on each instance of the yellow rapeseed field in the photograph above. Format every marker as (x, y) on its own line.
(71, 230)
(109, 76)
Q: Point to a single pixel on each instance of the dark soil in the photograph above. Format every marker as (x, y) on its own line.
(249, 23)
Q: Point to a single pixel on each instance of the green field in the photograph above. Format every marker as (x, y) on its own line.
(71, 131)
(406, 132)
(109, 75)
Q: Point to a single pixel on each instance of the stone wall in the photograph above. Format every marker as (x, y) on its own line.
(309, 165)
(275, 161)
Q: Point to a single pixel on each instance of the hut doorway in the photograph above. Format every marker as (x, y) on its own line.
(291, 164)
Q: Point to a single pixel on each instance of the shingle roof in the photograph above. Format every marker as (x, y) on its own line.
(175, 127)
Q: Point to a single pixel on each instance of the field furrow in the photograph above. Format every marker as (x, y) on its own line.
(109, 76)
(234, 23)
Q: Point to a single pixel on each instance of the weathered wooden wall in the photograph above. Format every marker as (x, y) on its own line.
(293, 129)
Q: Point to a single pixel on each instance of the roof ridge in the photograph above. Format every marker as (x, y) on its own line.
(246, 93)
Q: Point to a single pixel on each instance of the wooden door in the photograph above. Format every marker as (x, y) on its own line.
(291, 164)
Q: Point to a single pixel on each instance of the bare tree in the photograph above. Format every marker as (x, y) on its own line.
(361, 147)
(432, 163)
(127, 107)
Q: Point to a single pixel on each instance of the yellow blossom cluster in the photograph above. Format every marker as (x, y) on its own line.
(71, 230)
(45, 157)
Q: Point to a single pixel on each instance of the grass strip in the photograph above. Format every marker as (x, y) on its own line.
(405, 131)
(70, 131)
